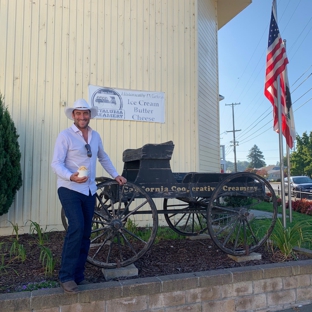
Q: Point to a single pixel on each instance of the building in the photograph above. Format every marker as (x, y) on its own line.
(53, 50)
(222, 158)
(274, 173)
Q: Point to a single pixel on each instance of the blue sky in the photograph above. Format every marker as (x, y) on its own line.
(242, 55)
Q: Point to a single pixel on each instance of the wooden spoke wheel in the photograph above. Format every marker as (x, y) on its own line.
(117, 239)
(241, 214)
(186, 216)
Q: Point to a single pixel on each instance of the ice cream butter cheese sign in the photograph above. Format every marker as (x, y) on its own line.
(128, 104)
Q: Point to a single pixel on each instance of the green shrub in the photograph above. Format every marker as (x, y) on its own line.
(10, 156)
(35, 228)
(238, 201)
(47, 260)
(285, 239)
(302, 206)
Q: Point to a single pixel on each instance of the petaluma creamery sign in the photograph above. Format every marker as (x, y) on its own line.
(127, 104)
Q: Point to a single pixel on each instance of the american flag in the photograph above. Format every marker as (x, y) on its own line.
(276, 62)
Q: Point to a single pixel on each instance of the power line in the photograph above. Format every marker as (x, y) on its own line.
(302, 96)
(258, 134)
(301, 76)
(254, 125)
(302, 82)
(268, 111)
(304, 104)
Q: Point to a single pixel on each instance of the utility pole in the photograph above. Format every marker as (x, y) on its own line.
(234, 140)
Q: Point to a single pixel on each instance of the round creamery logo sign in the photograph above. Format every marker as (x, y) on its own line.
(109, 103)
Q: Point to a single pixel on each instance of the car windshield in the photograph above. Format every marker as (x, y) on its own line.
(301, 180)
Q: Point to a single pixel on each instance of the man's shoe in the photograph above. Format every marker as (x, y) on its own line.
(83, 282)
(70, 287)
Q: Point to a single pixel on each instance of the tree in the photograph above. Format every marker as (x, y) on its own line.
(241, 166)
(10, 156)
(301, 159)
(256, 158)
(284, 162)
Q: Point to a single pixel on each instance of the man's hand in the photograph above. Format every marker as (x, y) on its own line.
(74, 177)
(121, 180)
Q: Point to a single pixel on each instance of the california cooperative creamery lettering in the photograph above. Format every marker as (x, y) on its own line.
(240, 188)
(205, 188)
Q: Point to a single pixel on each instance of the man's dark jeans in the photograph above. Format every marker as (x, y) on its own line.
(79, 210)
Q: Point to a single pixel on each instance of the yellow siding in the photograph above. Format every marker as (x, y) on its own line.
(208, 89)
(53, 49)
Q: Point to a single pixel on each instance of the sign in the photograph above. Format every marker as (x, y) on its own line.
(124, 104)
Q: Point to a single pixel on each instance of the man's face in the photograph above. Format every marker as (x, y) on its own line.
(81, 118)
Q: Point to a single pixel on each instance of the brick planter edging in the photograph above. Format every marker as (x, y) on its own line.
(260, 288)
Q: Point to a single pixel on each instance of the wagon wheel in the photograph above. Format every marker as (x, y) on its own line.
(241, 214)
(116, 238)
(63, 217)
(186, 216)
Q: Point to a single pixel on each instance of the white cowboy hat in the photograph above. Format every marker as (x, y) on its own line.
(81, 104)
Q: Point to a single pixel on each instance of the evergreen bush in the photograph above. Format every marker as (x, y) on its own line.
(10, 156)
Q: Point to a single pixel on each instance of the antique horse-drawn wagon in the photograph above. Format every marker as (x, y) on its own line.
(238, 210)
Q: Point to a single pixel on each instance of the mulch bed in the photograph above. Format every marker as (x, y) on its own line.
(164, 258)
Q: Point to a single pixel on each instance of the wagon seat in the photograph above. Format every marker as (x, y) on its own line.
(149, 164)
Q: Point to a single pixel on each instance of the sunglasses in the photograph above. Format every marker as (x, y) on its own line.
(88, 148)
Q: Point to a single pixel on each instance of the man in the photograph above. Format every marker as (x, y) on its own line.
(77, 146)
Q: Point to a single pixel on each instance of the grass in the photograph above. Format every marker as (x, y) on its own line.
(15, 230)
(47, 260)
(163, 233)
(298, 219)
(41, 234)
(4, 268)
(296, 233)
(259, 226)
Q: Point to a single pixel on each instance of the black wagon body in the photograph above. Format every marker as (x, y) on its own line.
(237, 211)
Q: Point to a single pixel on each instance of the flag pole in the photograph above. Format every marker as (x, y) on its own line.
(280, 135)
(289, 191)
(288, 172)
(279, 113)
(276, 62)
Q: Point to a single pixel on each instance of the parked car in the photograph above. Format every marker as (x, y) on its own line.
(300, 186)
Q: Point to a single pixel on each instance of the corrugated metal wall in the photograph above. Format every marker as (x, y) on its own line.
(208, 88)
(53, 49)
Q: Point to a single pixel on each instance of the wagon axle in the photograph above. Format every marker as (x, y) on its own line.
(116, 224)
